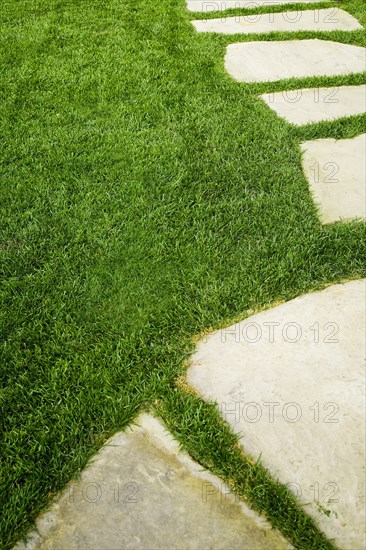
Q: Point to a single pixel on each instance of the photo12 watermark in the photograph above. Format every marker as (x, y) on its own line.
(290, 332)
(93, 492)
(322, 493)
(318, 95)
(326, 16)
(212, 490)
(274, 411)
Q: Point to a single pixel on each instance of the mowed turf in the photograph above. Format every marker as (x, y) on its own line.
(145, 197)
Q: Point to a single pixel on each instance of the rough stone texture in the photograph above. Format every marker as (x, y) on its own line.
(330, 19)
(336, 172)
(141, 492)
(311, 105)
(277, 60)
(291, 381)
(210, 6)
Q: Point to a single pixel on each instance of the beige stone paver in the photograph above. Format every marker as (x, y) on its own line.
(330, 19)
(311, 105)
(207, 6)
(271, 61)
(291, 381)
(336, 172)
(141, 492)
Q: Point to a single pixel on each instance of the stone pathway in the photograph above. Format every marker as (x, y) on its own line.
(291, 381)
(140, 491)
(339, 197)
(336, 172)
(311, 20)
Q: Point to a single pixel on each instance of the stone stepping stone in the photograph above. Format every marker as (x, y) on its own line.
(310, 105)
(277, 60)
(336, 172)
(209, 5)
(141, 492)
(330, 19)
(291, 382)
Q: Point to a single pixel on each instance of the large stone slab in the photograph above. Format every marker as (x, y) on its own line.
(140, 491)
(212, 5)
(336, 172)
(277, 60)
(330, 19)
(309, 105)
(291, 382)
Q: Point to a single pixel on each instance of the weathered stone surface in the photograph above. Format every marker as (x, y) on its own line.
(291, 381)
(210, 6)
(309, 105)
(277, 60)
(336, 172)
(330, 19)
(140, 491)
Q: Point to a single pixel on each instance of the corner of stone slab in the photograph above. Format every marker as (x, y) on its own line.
(181, 383)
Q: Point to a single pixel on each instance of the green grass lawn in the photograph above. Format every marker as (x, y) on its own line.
(145, 196)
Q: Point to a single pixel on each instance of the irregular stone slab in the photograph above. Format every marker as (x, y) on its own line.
(291, 382)
(309, 105)
(271, 61)
(140, 491)
(330, 19)
(210, 6)
(336, 172)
